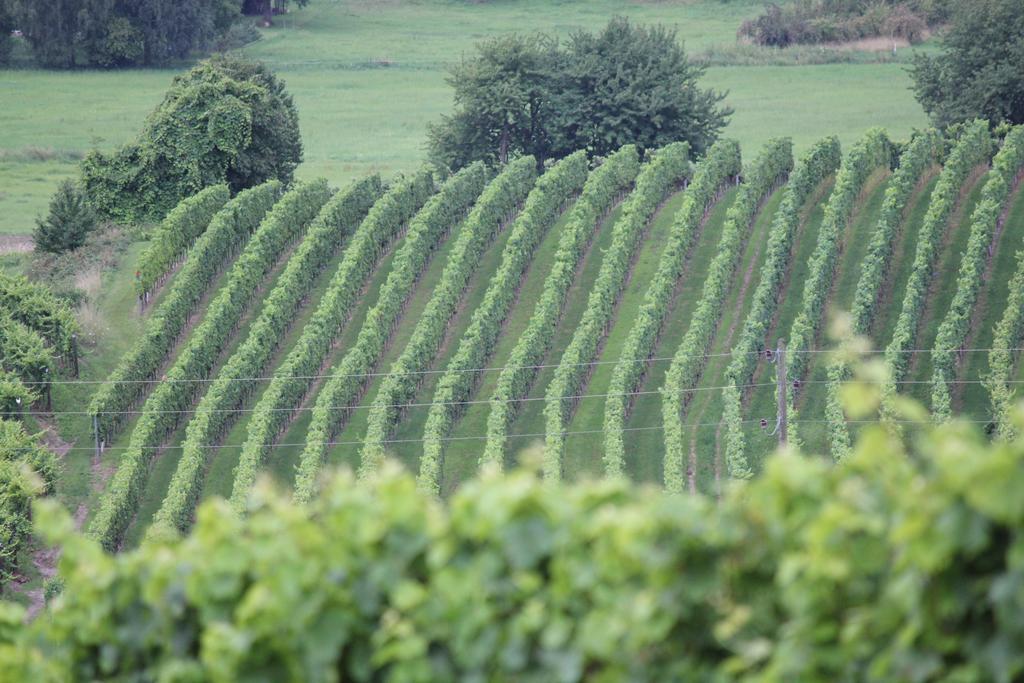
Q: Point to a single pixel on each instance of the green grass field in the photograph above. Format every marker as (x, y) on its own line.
(367, 77)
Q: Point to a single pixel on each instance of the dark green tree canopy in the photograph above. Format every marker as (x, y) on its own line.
(529, 95)
(980, 74)
(502, 102)
(114, 33)
(632, 84)
(227, 120)
(68, 223)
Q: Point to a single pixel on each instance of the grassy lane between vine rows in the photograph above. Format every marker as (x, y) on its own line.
(942, 289)
(583, 451)
(349, 439)
(165, 461)
(645, 445)
(705, 406)
(111, 455)
(462, 453)
(761, 404)
(973, 399)
(895, 286)
(114, 307)
(220, 478)
(164, 466)
(810, 397)
(530, 419)
(283, 460)
(408, 432)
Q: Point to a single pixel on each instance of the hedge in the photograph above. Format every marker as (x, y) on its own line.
(427, 229)
(971, 149)
(604, 185)
(918, 156)
(35, 306)
(162, 412)
(871, 152)
(552, 192)
(1007, 167)
(27, 469)
(229, 231)
(897, 566)
(176, 234)
(330, 231)
(814, 167)
(668, 167)
(768, 171)
(720, 166)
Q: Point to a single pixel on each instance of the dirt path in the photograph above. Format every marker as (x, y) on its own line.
(16, 244)
(44, 559)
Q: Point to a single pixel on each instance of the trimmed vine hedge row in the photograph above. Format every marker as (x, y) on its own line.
(603, 186)
(768, 171)
(27, 470)
(332, 228)
(1008, 334)
(721, 165)
(23, 351)
(229, 230)
(871, 152)
(286, 221)
(36, 306)
(918, 156)
(972, 148)
(902, 565)
(552, 191)
(1006, 168)
(294, 376)
(496, 206)
(820, 162)
(426, 230)
(668, 167)
(178, 231)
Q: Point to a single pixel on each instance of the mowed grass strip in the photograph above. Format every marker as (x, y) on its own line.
(972, 399)
(810, 397)
(645, 445)
(895, 286)
(942, 287)
(166, 459)
(346, 453)
(462, 453)
(411, 423)
(530, 419)
(281, 463)
(761, 403)
(706, 406)
(583, 451)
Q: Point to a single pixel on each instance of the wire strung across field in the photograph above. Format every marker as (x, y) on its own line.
(496, 368)
(427, 404)
(537, 435)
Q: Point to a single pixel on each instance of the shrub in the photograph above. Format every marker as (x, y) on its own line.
(227, 120)
(899, 565)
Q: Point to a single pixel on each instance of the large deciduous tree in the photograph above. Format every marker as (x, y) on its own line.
(227, 120)
(632, 84)
(528, 95)
(501, 99)
(980, 74)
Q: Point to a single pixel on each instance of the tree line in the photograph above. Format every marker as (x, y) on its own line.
(64, 34)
